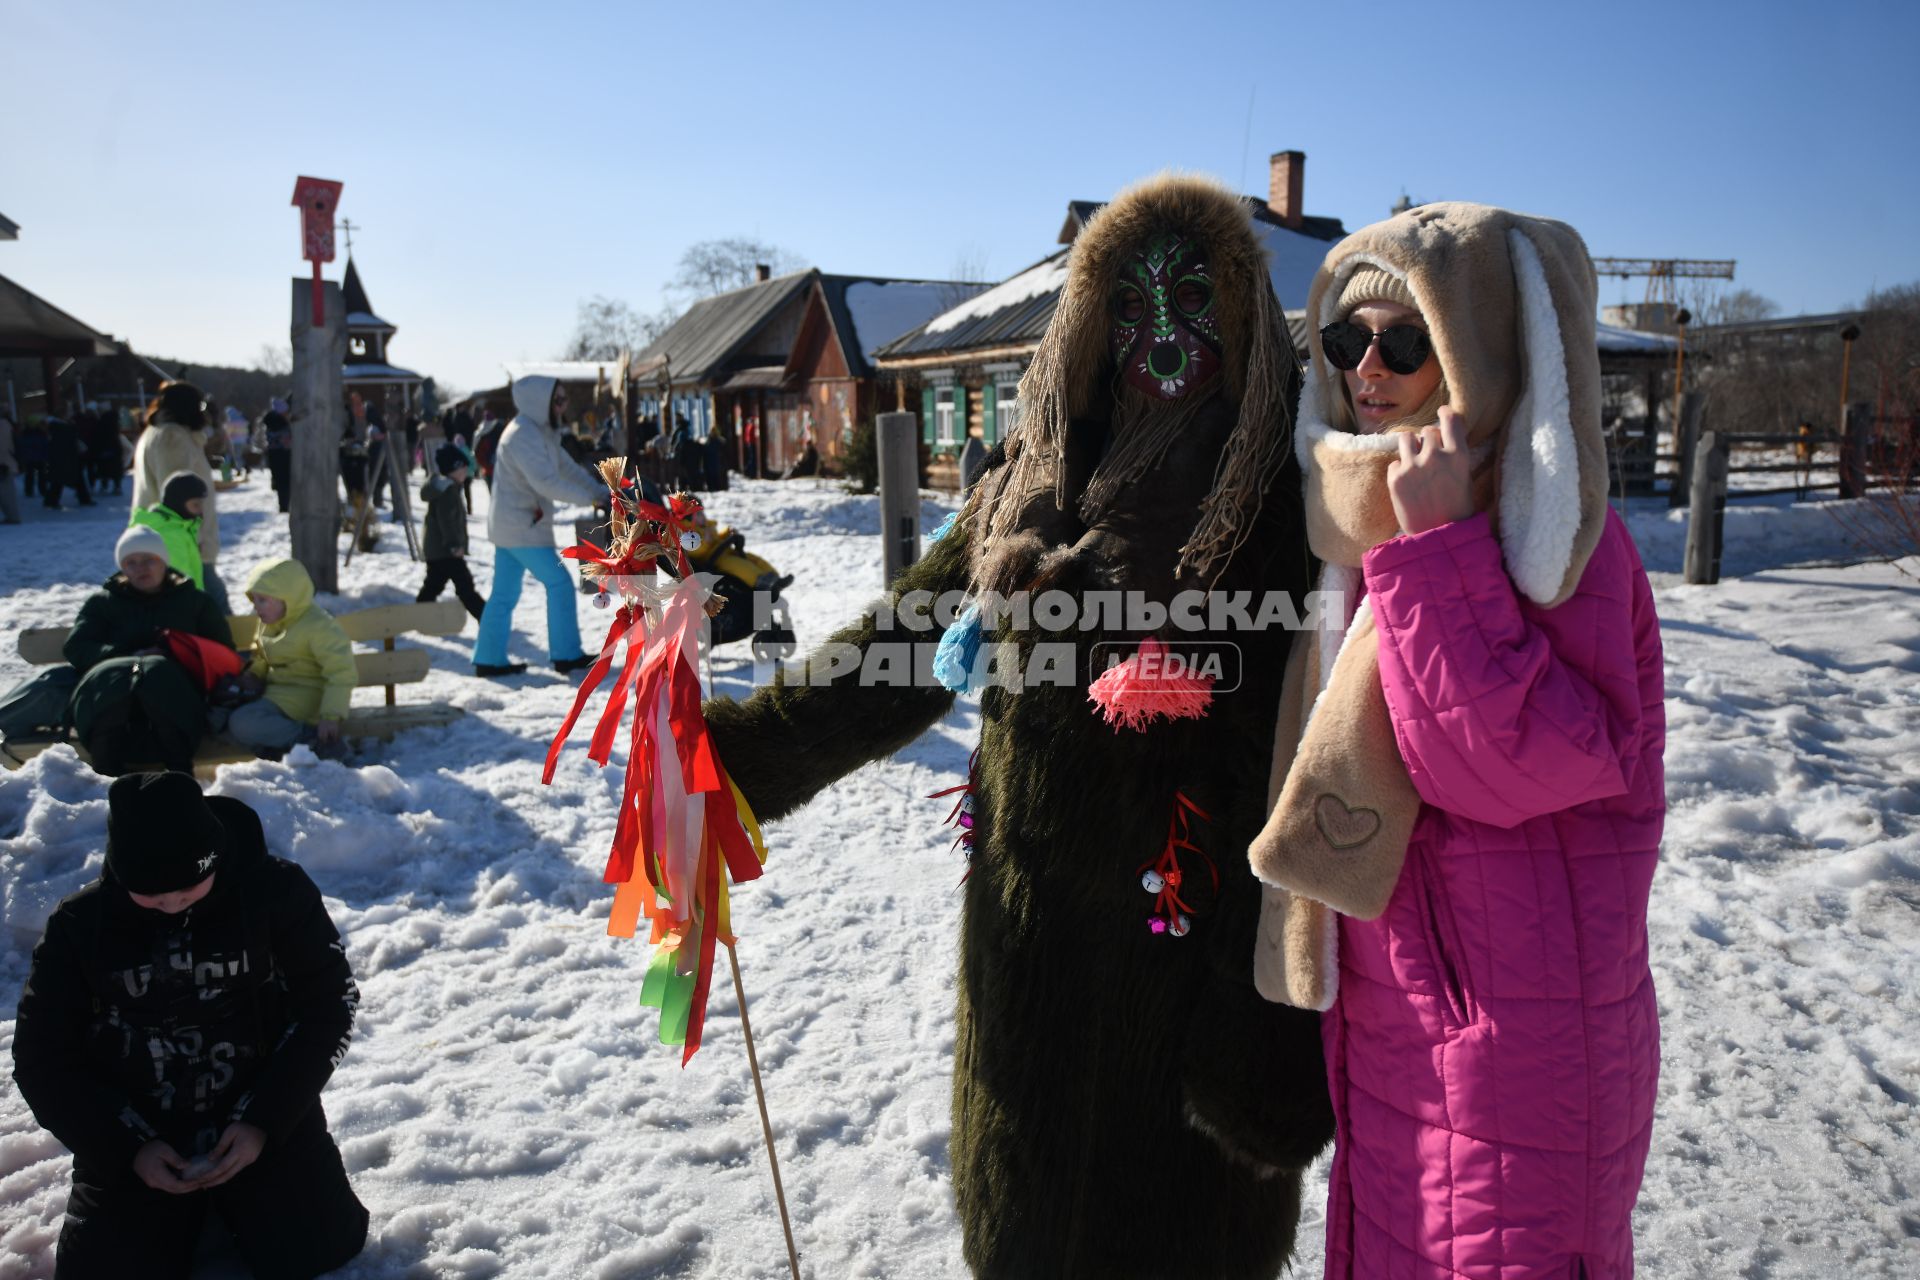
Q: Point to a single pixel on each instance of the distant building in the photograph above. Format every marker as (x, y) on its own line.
(793, 354)
(394, 391)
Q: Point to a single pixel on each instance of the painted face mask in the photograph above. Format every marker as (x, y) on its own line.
(1165, 330)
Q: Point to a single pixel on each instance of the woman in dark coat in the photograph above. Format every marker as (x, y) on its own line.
(134, 704)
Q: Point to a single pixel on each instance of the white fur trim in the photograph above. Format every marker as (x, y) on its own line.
(1331, 637)
(1330, 959)
(1540, 472)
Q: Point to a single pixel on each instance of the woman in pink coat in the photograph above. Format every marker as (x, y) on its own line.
(1468, 796)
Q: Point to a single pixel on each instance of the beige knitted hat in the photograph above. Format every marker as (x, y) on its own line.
(1371, 284)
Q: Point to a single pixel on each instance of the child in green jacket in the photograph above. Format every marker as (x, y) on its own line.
(176, 518)
(303, 662)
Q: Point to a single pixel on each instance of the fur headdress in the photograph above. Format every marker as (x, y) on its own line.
(1509, 302)
(1072, 375)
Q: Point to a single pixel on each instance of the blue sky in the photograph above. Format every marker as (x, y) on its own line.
(507, 161)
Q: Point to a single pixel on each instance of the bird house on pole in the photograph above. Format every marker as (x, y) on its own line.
(316, 199)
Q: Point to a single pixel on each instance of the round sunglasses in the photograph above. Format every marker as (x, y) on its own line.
(1403, 347)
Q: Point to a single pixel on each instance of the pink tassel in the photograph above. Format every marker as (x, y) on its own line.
(1134, 693)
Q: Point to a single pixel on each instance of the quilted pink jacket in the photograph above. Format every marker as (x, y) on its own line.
(1494, 1047)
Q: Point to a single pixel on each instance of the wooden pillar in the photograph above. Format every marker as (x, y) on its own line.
(1856, 431)
(1686, 437)
(1707, 510)
(897, 444)
(314, 515)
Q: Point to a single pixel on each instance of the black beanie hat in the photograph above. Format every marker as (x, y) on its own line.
(181, 488)
(180, 402)
(161, 836)
(447, 457)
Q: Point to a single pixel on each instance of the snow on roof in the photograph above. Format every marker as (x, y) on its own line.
(566, 370)
(882, 312)
(368, 320)
(1292, 260)
(1617, 341)
(377, 373)
(1041, 278)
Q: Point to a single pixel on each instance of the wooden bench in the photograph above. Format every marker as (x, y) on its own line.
(385, 667)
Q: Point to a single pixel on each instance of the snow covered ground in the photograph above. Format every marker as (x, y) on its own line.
(506, 1110)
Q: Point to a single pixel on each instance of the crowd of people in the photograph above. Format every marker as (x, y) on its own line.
(145, 681)
(1465, 778)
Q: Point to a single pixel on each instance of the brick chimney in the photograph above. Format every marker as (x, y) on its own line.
(762, 272)
(1287, 171)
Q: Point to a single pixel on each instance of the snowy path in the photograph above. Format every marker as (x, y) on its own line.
(506, 1110)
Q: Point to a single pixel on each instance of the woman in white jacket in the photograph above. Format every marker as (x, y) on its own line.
(531, 474)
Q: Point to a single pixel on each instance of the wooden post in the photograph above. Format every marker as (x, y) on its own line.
(1707, 510)
(1686, 438)
(318, 353)
(896, 439)
(1856, 430)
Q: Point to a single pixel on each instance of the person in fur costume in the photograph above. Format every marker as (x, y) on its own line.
(1467, 786)
(1124, 1103)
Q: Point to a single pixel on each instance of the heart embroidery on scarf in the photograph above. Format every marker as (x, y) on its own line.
(1344, 828)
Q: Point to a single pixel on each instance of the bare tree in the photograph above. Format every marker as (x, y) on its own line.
(970, 264)
(277, 361)
(1735, 306)
(603, 327)
(719, 266)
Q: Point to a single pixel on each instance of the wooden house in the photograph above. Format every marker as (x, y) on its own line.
(791, 354)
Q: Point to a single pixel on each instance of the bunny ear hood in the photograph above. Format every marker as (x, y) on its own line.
(1509, 300)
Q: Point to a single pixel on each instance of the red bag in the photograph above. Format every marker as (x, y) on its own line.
(207, 661)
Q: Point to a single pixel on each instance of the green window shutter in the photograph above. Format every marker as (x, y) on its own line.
(989, 426)
(926, 416)
(959, 418)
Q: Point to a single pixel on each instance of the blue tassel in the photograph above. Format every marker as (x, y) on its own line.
(953, 660)
(945, 525)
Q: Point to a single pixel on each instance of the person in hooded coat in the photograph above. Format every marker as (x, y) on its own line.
(176, 518)
(181, 1016)
(1465, 828)
(1125, 1106)
(445, 527)
(302, 665)
(134, 704)
(531, 476)
(173, 442)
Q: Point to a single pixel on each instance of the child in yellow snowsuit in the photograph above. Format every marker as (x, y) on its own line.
(302, 659)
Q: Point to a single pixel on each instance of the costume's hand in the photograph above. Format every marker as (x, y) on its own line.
(239, 1147)
(160, 1167)
(1431, 482)
(327, 732)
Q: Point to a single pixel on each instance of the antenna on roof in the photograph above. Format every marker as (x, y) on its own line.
(1246, 137)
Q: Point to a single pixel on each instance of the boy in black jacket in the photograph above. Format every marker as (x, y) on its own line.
(181, 1017)
(446, 532)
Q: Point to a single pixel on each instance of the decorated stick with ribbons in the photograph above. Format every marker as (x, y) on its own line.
(684, 831)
